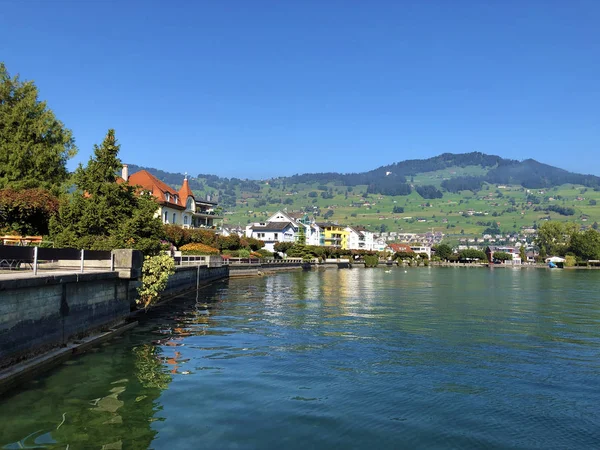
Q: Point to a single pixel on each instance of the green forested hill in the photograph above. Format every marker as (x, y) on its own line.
(458, 194)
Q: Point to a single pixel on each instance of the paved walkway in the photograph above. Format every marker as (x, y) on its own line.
(6, 275)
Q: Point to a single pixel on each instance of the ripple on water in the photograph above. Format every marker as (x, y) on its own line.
(433, 358)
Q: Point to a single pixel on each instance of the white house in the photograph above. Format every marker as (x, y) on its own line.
(379, 244)
(303, 227)
(175, 207)
(172, 208)
(422, 249)
(272, 232)
(228, 230)
(359, 238)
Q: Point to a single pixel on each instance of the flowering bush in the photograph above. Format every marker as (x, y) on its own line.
(155, 274)
(196, 248)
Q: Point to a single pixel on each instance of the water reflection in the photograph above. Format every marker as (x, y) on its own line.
(400, 358)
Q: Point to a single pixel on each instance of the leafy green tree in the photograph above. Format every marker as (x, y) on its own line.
(522, 253)
(472, 254)
(443, 251)
(26, 211)
(34, 144)
(102, 214)
(175, 235)
(586, 245)
(231, 242)
(553, 237)
(283, 247)
(503, 256)
(404, 255)
(255, 244)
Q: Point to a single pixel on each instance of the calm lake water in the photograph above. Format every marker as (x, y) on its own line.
(365, 358)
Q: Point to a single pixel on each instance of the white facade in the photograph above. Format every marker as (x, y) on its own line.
(313, 234)
(228, 231)
(271, 233)
(422, 249)
(359, 239)
(170, 215)
(379, 244)
(188, 214)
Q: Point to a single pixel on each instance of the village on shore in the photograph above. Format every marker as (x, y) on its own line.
(187, 210)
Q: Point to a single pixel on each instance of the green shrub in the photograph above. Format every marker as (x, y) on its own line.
(264, 253)
(155, 274)
(371, 260)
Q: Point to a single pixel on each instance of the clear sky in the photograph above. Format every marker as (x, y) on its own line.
(264, 88)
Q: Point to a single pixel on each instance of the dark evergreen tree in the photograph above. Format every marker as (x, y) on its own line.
(102, 214)
(34, 144)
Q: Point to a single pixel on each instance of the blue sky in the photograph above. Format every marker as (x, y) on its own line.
(254, 89)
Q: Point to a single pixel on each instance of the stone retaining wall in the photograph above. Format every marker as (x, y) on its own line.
(39, 313)
(189, 277)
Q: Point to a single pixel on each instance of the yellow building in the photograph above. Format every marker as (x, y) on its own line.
(333, 235)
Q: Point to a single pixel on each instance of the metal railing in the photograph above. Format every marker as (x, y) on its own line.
(13, 257)
(240, 261)
(198, 260)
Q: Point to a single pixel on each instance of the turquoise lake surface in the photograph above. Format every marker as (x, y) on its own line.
(416, 358)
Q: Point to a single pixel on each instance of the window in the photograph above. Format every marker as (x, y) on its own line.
(276, 236)
(185, 220)
(167, 196)
(174, 217)
(176, 199)
(166, 219)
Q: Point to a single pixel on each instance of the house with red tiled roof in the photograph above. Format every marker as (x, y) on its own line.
(399, 248)
(175, 207)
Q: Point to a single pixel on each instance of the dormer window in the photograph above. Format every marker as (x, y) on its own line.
(176, 199)
(167, 196)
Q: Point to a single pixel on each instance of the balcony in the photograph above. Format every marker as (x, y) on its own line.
(207, 214)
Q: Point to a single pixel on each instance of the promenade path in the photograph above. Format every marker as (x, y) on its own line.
(6, 275)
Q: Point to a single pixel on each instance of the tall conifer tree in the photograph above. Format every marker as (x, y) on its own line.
(34, 144)
(103, 214)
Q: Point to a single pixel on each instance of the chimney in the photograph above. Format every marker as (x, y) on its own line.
(125, 172)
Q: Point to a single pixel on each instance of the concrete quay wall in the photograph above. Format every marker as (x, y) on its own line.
(253, 270)
(191, 277)
(39, 313)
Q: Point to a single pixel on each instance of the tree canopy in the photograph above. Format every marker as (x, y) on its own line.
(102, 214)
(34, 144)
(443, 251)
(554, 238)
(26, 211)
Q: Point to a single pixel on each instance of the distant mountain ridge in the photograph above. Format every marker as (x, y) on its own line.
(393, 179)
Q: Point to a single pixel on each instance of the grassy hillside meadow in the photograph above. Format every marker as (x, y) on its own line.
(510, 207)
